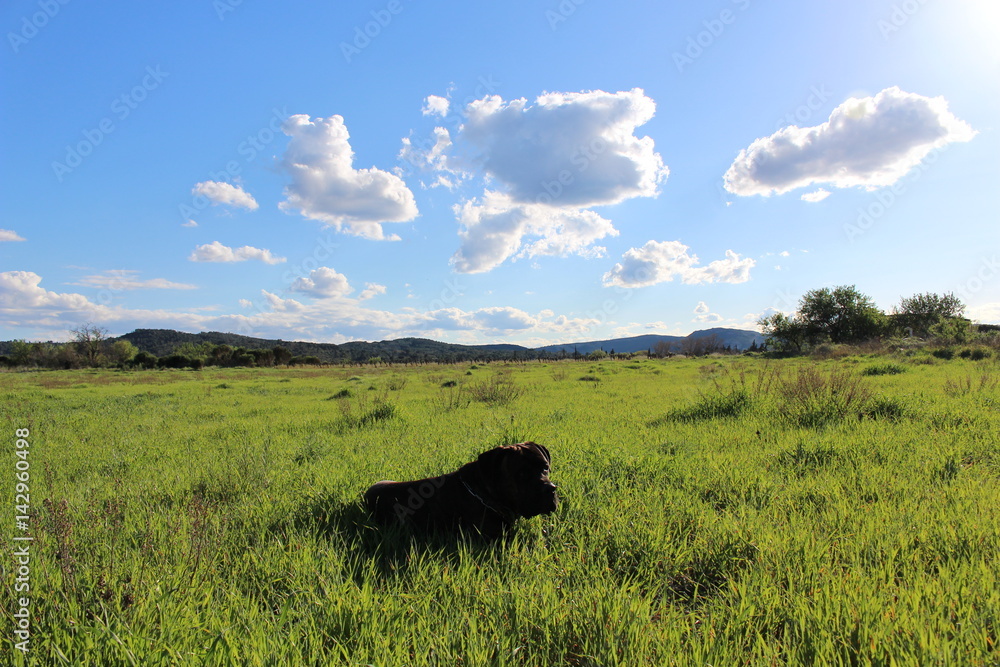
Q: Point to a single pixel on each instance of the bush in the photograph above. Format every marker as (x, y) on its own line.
(498, 390)
(811, 398)
(975, 353)
(712, 406)
(884, 369)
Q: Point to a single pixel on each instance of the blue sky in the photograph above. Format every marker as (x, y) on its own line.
(533, 172)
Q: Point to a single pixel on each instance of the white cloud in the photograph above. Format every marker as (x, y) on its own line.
(225, 193)
(216, 252)
(868, 142)
(326, 187)
(984, 313)
(371, 290)
(662, 261)
(323, 283)
(494, 229)
(435, 105)
(189, 223)
(704, 314)
(122, 280)
(567, 149)
(429, 156)
(9, 235)
(816, 196)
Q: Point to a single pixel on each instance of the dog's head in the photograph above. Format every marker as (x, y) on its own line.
(518, 477)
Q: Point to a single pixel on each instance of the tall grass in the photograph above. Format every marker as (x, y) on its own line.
(178, 523)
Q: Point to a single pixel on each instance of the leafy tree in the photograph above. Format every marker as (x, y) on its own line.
(787, 334)
(916, 315)
(122, 352)
(838, 315)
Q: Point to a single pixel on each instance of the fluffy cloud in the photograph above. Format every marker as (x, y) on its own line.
(371, 290)
(9, 235)
(494, 229)
(662, 261)
(225, 193)
(435, 105)
(22, 291)
(430, 155)
(323, 283)
(216, 252)
(868, 142)
(567, 149)
(704, 314)
(326, 187)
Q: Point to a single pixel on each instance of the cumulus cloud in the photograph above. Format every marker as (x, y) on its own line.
(662, 261)
(225, 193)
(326, 187)
(122, 280)
(495, 228)
(216, 252)
(704, 314)
(429, 155)
(435, 105)
(9, 235)
(21, 290)
(868, 142)
(567, 149)
(323, 283)
(371, 290)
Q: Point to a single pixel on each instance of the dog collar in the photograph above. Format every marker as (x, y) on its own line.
(480, 499)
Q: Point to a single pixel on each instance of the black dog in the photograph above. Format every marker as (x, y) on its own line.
(484, 496)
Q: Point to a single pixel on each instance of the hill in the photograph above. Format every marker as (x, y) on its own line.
(735, 339)
(165, 341)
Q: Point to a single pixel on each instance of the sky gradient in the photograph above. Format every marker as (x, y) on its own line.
(532, 173)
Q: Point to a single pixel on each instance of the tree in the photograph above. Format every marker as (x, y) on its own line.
(838, 315)
(90, 340)
(122, 352)
(916, 315)
(788, 334)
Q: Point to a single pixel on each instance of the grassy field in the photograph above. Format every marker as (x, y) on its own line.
(715, 512)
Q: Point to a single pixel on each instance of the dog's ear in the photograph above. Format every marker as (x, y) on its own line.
(491, 459)
(542, 449)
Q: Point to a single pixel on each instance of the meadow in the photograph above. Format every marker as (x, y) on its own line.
(715, 511)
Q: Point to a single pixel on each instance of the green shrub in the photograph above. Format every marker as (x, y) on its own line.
(887, 368)
(711, 406)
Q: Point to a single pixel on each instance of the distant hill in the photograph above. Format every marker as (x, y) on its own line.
(736, 339)
(165, 341)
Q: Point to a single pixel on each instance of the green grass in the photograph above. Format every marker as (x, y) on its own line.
(741, 512)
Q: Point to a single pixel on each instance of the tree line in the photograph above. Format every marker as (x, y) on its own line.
(92, 347)
(844, 315)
